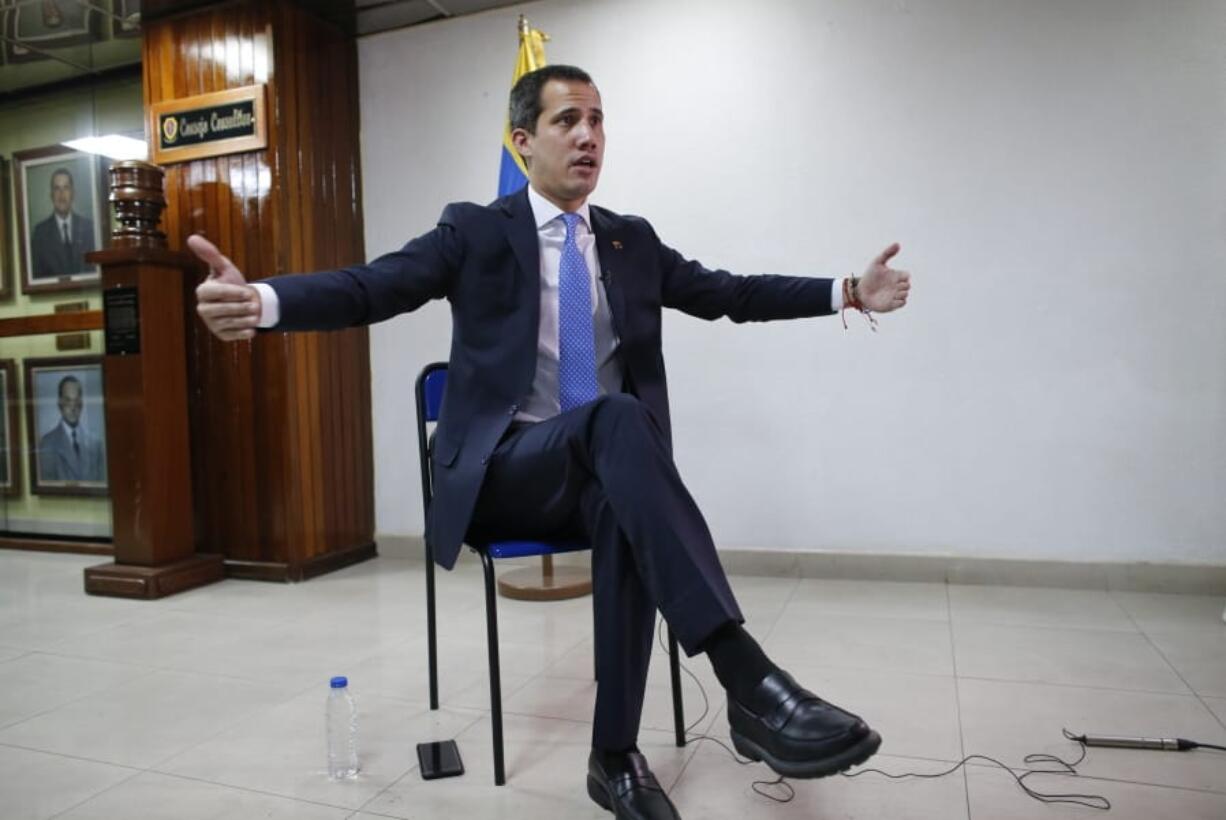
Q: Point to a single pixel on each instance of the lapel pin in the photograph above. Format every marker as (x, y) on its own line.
(617, 244)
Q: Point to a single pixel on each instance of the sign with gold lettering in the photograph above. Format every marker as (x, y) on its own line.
(209, 125)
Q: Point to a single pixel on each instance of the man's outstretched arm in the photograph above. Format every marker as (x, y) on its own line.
(394, 283)
(711, 294)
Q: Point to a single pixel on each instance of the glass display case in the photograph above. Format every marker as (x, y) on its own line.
(68, 72)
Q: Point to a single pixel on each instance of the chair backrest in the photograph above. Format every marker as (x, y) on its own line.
(430, 385)
(428, 392)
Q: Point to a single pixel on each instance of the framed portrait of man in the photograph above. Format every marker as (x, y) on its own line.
(66, 423)
(60, 216)
(7, 230)
(10, 475)
(34, 27)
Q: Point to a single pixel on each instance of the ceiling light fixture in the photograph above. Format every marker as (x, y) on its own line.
(115, 146)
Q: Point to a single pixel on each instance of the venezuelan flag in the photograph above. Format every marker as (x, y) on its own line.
(513, 175)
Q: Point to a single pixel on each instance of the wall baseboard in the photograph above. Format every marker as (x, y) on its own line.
(1138, 576)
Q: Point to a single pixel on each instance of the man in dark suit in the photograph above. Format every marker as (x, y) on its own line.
(60, 242)
(69, 451)
(556, 420)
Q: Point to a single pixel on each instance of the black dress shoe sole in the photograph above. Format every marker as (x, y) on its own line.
(822, 767)
(597, 792)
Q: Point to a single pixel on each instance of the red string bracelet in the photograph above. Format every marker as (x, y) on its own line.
(851, 299)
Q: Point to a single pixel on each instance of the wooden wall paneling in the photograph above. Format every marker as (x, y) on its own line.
(246, 238)
(306, 56)
(276, 354)
(290, 64)
(282, 220)
(282, 425)
(285, 185)
(216, 194)
(337, 88)
(326, 489)
(276, 358)
(317, 246)
(352, 214)
(74, 322)
(273, 219)
(355, 380)
(220, 75)
(338, 485)
(341, 387)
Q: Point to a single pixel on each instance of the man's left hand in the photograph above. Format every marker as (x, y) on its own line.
(883, 288)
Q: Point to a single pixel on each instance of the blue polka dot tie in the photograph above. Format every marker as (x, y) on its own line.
(576, 340)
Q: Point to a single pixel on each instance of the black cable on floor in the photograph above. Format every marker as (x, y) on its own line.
(1093, 801)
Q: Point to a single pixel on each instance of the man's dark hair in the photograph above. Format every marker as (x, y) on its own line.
(67, 380)
(525, 107)
(62, 172)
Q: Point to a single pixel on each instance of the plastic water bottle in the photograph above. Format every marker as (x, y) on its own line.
(342, 731)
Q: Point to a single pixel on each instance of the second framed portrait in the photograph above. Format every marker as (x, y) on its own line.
(34, 28)
(6, 231)
(65, 419)
(10, 474)
(60, 217)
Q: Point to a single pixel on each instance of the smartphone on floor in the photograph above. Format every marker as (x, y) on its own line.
(439, 758)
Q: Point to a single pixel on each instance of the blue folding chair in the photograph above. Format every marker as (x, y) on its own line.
(429, 394)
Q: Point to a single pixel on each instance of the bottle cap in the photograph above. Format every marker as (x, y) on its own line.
(340, 682)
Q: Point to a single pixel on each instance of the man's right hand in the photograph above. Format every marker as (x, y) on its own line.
(227, 304)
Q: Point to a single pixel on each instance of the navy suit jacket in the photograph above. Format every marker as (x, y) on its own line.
(58, 461)
(52, 258)
(485, 260)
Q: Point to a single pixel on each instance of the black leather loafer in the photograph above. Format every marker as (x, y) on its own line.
(797, 733)
(622, 783)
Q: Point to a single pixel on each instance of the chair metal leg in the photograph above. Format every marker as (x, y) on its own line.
(431, 628)
(491, 619)
(674, 669)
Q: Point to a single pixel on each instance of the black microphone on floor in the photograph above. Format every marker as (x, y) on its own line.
(1165, 744)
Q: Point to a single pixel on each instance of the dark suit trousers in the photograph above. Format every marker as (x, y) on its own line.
(604, 472)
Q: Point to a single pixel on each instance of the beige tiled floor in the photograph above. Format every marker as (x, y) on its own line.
(209, 704)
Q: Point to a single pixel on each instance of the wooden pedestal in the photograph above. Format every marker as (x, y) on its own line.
(133, 581)
(148, 445)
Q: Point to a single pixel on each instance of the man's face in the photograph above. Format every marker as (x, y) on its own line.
(61, 194)
(70, 403)
(565, 154)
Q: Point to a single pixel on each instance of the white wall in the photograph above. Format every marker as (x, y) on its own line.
(1054, 170)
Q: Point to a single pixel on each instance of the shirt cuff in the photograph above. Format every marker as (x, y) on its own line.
(270, 306)
(836, 294)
